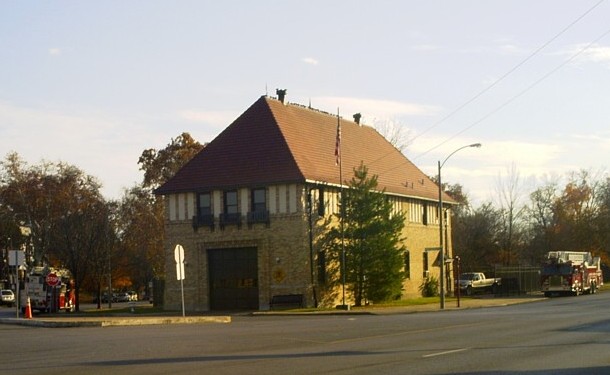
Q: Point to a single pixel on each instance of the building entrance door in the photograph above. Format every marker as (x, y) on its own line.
(233, 278)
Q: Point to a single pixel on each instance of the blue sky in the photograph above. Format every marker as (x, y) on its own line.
(93, 84)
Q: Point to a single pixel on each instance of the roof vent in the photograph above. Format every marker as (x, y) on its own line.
(357, 117)
(281, 94)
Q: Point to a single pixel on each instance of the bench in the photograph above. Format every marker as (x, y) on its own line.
(286, 301)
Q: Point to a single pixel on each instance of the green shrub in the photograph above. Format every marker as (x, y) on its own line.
(429, 287)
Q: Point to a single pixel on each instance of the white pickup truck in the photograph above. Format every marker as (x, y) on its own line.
(476, 282)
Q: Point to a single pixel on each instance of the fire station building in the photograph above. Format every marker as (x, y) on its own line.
(243, 207)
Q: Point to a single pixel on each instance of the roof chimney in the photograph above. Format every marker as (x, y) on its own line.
(281, 94)
(357, 117)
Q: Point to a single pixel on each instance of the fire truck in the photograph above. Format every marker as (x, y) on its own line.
(570, 273)
(49, 290)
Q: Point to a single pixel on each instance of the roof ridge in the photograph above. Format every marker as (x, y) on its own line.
(276, 143)
(307, 107)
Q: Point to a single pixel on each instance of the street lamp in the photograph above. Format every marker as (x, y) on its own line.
(440, 222)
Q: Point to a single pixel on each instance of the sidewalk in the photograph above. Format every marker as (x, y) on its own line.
(450, 305)
(67, 320)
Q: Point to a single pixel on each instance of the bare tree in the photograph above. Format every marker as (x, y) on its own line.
(393, 132)
(510, 194)
(541, 217)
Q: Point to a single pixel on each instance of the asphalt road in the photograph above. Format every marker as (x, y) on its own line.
(557, 336)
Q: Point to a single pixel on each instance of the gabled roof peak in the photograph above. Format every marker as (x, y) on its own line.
(357, 116)
(277, 143)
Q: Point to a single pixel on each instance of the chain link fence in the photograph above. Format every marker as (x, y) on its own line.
(516, 280)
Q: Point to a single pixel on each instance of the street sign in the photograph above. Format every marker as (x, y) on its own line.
(16, 257)
(52, 279)
(179, 257)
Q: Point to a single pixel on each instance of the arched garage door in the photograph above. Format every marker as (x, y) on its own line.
(233, 278)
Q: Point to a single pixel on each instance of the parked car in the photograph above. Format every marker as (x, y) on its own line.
(472, 282)
(8, 298)
(133, 296)
(123, 297)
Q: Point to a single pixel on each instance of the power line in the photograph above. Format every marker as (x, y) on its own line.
(512, 70)
(521, 93)
(511, 99)
(501, 79)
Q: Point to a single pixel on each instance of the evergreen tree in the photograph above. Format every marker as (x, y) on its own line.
(371, 241)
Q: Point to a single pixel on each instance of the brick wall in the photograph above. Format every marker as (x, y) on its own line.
(283, 250)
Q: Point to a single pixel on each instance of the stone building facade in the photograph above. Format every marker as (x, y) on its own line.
(247, 209)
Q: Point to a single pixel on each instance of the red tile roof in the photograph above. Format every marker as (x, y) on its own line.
(272, 143)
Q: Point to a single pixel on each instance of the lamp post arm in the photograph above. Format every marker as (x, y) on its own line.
(451, 154)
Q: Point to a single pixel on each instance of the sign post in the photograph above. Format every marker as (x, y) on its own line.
(16, 258)
(53, 281)
(179, 257)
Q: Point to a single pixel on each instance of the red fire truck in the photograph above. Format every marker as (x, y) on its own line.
(570, 273)
(49, 290)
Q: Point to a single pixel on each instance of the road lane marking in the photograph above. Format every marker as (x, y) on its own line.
(444, 353)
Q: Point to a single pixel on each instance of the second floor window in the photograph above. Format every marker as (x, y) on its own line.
(259, 200)
(230, 202)
(205, 204)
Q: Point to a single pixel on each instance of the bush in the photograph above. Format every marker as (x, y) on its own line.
(429, 287)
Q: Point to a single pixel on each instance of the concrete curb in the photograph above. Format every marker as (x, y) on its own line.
(113, 322)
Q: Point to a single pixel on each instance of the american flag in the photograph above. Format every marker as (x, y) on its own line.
(338, 141)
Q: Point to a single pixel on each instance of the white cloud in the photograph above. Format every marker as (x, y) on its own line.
(477, 169)
(593, 54)
(510, 49)
(603, 138)
(376, 109)
(54, 51)
(310, 61)
(508, 46)
(597, 53)
(534, 157)
(526, 154)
